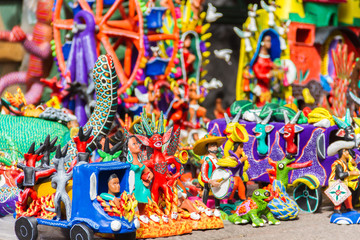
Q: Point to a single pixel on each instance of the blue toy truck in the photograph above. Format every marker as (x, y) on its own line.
(87, 215)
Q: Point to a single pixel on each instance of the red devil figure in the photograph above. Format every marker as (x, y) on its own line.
(289, 131)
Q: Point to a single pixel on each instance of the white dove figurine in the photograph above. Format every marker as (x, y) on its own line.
(213, 84)
(211, 14)
(270, 10)
(246, 36)
(282, 31)
(252, 16)
(224, 54)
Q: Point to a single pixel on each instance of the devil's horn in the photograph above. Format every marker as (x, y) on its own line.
(58, 151)
(267, 119)
(348, 119)
(340, 123)
(227, 119)
(355, 98)
(64, 150)
(47, 140)
(237, 117)
(295, 118)
(286, 117)
(106, 145)
(258, 119)
(32, 148)
(40, 149)
(115, 148)
(52, 143)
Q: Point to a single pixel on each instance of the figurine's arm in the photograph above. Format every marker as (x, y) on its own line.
(45, 173)
(270, 217)
(20, 179)
(178, 103)
(69, 175)
(178, 167)
(4, 36)
(340, 173)
(205, 172)
(149, 163)
(15, 35)
(43, 51)
(195, 96)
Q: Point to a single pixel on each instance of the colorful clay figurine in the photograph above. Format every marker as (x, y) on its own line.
(59, 180)
(344, 137)
(340, 170)
(262, 67)
(253, 209)
(234, 133)
(30, 175)
(189, 57)
(38, 45)
(113, 190)
(290, 131)
(282, 206)
(195, 110)
(212, 15)
(281, 169)
(271, 8)
(178, 105)
(140, 175)
(155, 138)
(224, 54)
(262, 129)
(208, 147)
(237, 153)
(246, 35)
(107, 218)
(252, 15)
(109, 154)
(48, 148)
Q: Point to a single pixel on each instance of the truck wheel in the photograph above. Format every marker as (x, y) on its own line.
(26, 228)
(308, 200)
(126, 236)
(81, 232)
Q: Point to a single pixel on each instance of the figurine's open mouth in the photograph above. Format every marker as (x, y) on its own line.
(257, 134)
(286, 134)
(157, 144)
(269, 198)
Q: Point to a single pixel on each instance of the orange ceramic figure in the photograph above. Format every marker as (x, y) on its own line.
(40, 53)
(195, 110)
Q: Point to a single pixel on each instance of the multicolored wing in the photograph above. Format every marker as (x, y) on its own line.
(173, 143)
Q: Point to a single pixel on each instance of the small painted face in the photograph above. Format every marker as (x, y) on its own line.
(176, 90)
(187, 42)
(267, 42)
(288, 130)
(151, 87)
(114, 186)
(193, 86)
(262, 194)
(240, 148)
(134, 146)
(156, 139)
(212, 147)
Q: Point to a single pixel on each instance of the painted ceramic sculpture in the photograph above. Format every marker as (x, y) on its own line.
(38, 45)
(252, 210)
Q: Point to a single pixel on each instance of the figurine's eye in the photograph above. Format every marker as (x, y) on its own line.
(257, 193)
(267, 194)
(281, 166)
